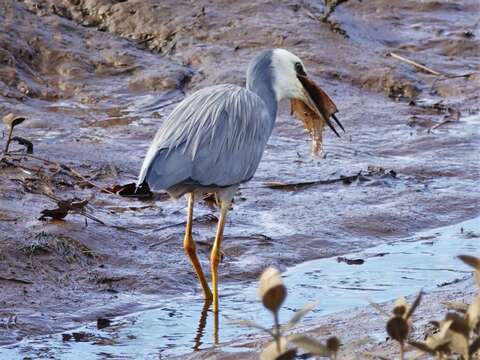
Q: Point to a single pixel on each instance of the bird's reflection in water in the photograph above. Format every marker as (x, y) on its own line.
(197, 341)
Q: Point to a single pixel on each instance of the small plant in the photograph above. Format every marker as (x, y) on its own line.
(273, 293)
(11, 120)
(456, 337)
(400, 323)
(459, 332)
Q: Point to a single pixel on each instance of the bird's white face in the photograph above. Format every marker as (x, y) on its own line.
(290, 81)
(286, 67)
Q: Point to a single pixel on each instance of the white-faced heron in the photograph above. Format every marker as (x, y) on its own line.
(214, 139)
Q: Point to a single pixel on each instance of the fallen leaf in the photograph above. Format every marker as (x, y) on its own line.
(56, 214)
(131, 190)
(27, 143)
(63, 208)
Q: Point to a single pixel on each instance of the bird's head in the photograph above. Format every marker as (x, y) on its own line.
(290, 81)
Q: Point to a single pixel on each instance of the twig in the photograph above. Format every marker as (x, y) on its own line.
(58, 200)
(147, 39)
(67, 169)
(91, 217)
(20, 281)
(446, 121)
(277, 331)
(300, 185)
(330, 8)
(416, 64)
(467, 75)
(26, 169)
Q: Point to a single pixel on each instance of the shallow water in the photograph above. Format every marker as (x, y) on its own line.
(180, 324)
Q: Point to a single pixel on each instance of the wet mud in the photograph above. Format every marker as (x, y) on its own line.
(95, 79)
(181, 324)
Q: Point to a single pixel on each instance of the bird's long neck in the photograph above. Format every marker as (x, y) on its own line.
(260, 81)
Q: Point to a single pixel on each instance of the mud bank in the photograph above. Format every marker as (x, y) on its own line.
(96, 78)
(181, 324)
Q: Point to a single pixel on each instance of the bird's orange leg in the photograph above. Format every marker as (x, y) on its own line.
(215, 256)
(189, 246)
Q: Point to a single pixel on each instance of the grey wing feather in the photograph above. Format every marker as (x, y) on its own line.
(215, 137)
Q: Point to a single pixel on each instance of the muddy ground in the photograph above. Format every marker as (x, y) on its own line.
(95, 79)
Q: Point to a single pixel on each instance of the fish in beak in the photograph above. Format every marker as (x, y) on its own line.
(315, 110)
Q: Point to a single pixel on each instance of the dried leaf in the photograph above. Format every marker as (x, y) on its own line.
(459, 324)
(63, 208)
(421, 346)
(56, 214)
(471, 261)
(27, 143)
(300, 314)
(458, 344)
(211, 200)
(308, 344)
(397, 328)
(271, 289)
(271, 351)
(250, 324)
(440, 340)
(131, 190)
(473, 313)
(414, 305)
(444, 327)
(400, 307)
(474, 346)
(458, 334)
(12, 120)
(333, 344)
(456, 305)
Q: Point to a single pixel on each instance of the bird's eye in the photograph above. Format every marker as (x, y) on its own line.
(299, 69)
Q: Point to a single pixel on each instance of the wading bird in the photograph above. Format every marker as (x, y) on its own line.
(214, 139)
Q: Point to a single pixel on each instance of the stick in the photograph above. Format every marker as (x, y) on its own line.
(20, 281)
(446, 121)
(66, 168)
(416, 64)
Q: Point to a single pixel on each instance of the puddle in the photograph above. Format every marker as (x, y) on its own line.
(181, 325)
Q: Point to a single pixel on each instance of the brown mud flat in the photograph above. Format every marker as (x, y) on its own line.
(96, 78)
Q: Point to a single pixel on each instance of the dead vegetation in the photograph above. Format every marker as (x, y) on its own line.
(67, 248)
(457, 336)
(272, 293)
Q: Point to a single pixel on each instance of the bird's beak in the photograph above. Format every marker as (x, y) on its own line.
(319, 102)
